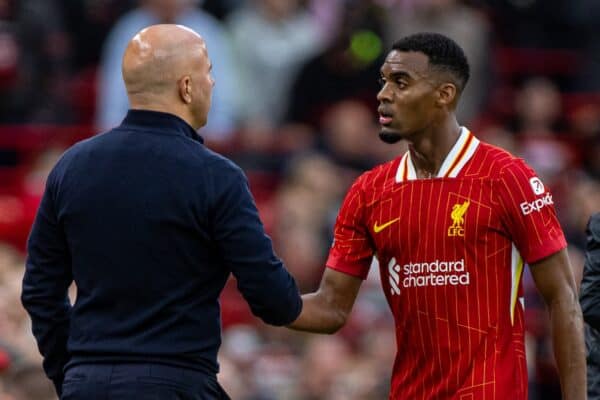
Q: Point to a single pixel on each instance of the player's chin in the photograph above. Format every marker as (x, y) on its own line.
(389, 135)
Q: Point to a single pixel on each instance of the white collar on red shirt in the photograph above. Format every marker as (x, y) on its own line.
(461, 152)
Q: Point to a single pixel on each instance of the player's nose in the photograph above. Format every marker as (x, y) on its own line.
(385, 94)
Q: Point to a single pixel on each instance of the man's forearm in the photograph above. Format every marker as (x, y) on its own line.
(326, 310)
(569, 347)
(319, 315)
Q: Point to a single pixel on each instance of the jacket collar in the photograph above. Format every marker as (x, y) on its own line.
(160, 121)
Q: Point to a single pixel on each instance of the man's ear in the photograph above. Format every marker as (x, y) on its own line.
(185, 89)
(447, 94)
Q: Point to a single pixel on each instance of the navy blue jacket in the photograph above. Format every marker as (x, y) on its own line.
(590, 305)
(149, 224)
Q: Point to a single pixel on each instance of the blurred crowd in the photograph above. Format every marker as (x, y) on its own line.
(294, 105)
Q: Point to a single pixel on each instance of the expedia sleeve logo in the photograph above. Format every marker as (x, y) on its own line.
(537, 185)
(536, 205)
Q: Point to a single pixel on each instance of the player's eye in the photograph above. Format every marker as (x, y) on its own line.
(401, 84)
(381, 81)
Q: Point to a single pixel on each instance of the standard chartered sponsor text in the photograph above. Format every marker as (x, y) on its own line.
(434, 273)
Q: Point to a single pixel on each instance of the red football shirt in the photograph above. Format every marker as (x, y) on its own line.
(451, 251)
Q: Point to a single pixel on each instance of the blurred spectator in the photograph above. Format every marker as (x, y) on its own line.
(305, 207)
(585, 135)
(326, 358)
(592, 159)
(34, 63)
(89, 21)
(585, 15)
(328, 15)
(539, 126)
(18, 353)
(538, 108)
(255, 148)
(272, 39)
(221, 8)
(534, 23)
(348, 133)
(585, 120)
(466, 25)
(346, 70)
(499, 136)
(112, 100)
(28, 382)
(17, 210)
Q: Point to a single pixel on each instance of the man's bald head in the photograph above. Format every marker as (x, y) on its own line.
(166, 68)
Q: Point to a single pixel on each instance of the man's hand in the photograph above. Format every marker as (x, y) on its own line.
(326, 310)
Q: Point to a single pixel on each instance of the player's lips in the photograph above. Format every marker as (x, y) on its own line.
(385, 120)
(385, 117)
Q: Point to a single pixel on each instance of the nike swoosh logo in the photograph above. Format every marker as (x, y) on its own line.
(379, 228)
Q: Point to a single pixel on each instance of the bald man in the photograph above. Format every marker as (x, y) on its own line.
(149, 224)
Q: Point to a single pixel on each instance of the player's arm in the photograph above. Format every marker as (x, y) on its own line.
(554, 279)
(350, 256)
(533, 225)
(326, 310)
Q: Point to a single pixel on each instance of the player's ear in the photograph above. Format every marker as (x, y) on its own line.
(185, 89)
(447, 93)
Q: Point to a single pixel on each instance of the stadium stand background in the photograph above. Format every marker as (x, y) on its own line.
(300, 99)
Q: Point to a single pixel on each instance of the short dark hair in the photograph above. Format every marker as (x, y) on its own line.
(443, 53)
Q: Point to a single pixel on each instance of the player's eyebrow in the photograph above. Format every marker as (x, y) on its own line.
(399, 74)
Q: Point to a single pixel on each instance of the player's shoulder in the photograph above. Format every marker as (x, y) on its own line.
(498, 161)
(379, 176)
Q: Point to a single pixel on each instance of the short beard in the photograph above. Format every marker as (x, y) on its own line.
(389, 137)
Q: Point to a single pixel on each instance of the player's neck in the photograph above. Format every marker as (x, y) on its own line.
(429, 151)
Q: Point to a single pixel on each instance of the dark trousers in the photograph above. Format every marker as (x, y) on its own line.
(139, 382)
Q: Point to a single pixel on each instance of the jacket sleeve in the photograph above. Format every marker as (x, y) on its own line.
(247, 251)
(590, 284)
(45, 288)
